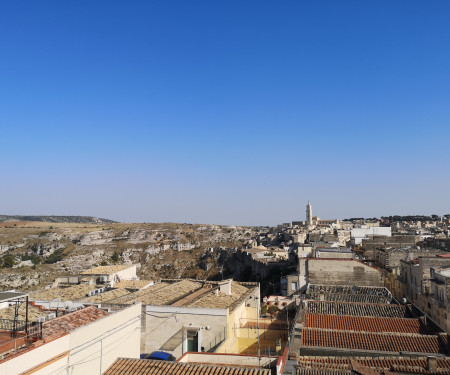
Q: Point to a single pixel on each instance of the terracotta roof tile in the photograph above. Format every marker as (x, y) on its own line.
(106, 296)
(129, 366)
(344, 293)
(358, 309)
(70, 293)
(66, 323)
(162, 293)
(223, 301)
(367, 324)
(383, 342)
(416, 365)
(106, 270)
(133, 284)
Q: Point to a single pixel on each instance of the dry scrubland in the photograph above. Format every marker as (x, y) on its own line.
(33, 254)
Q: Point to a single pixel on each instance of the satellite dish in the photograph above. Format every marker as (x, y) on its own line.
(68, 305)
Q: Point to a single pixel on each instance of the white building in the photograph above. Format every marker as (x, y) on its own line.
(85, 341)
(110, 274)
(358, 234)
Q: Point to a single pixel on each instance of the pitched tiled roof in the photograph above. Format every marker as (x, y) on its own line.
(70, 293)
(383, 342)
(128, 366)
(106, 296)
(412, 365)
(105, 270)
(364, 294)
(350, 298)
(324, 369)
(69, 322)
(161, 293)
(132, 284)
(223, 301)
(358, 309)
(368, 324)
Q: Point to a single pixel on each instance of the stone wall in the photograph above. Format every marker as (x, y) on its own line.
(342, 272)
(370, 245)
(391, 257)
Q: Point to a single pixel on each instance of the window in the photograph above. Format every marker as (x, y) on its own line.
(294, 286)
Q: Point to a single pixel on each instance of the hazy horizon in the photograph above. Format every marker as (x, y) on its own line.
(225, 112)
(230, 224)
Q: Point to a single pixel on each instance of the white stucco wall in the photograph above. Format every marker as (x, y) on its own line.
(128, 273)
(40, 356)
(163, 322)
(358, 234)
(94, 347)
(90, 349)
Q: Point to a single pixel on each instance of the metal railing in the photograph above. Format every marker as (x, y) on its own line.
(12, 325)
(33, 329)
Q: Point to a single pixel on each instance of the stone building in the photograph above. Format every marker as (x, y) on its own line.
(390, 257)
(337, 272)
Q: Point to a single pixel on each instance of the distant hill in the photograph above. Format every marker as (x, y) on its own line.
(56, 219)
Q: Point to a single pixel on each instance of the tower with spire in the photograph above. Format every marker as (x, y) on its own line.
(308, 214)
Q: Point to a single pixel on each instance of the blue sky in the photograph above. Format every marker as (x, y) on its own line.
(227, 112)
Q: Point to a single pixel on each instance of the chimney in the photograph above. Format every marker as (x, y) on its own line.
(432, 364)
(322, 295)
(225, 286)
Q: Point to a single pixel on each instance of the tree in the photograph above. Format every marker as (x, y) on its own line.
(273, 310)
(8, 261)
(115, 257)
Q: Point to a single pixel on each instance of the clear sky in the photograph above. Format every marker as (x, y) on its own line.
(227, 112)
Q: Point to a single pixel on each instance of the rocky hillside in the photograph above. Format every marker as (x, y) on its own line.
(56, 219)
(33, 254)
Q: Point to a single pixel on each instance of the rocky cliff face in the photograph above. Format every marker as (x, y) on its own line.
(33, 254)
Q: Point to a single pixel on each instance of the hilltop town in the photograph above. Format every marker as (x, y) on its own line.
(319, 296)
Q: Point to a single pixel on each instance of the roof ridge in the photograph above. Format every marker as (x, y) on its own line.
(408, 334)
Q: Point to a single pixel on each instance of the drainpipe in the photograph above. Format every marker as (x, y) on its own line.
(101, 355)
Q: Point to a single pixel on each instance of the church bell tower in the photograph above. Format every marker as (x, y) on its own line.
(308, 214)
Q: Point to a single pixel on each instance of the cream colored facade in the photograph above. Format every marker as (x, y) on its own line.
(110, 274)
(168, 327)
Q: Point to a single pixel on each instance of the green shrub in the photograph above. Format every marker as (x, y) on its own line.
(36, 259)
(8, 261)
(115, 257)
(55, 257)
